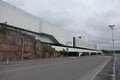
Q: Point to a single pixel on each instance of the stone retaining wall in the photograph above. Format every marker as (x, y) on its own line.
(13, 43)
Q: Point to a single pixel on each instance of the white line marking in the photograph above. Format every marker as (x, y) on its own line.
(92, 74)
(100, 69)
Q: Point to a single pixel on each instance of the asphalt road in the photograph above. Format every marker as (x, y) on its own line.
(83, 68)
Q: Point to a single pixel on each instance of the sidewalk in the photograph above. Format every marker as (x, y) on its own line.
(2, 63)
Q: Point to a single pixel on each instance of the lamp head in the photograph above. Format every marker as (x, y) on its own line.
(111, 26)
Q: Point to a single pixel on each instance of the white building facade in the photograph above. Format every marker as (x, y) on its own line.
(21, 19)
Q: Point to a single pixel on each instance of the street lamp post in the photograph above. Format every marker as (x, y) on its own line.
(23, 44)
(68, 42)
(112, 28)
(67, 49)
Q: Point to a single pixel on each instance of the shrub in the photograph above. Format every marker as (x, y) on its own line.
(47, 49)
(62, 52)
(107, 52)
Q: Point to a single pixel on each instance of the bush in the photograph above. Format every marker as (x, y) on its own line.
(47, 49)
(62, 52)
(107, 52)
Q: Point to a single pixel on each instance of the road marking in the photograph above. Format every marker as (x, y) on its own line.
(100, 69)
(92, 74)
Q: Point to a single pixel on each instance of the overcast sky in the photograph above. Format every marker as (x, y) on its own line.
(80, 17)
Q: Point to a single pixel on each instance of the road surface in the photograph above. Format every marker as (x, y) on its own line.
(82, 68)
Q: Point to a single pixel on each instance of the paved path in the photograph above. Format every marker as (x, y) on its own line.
(83, 68)
(117, 67)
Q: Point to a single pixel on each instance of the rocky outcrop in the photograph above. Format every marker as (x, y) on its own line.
(14, 43)
(10, 45)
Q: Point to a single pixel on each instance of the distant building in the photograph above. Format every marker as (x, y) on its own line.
(21, 19)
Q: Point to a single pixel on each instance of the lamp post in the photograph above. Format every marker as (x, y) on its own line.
(112, 28)
(68, 42)
(23, 44)
(67, 48)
